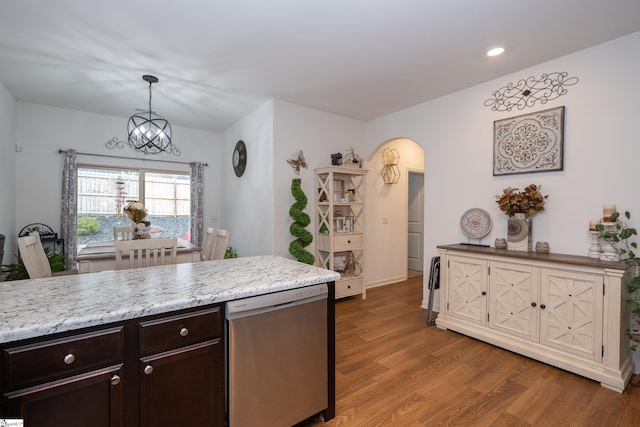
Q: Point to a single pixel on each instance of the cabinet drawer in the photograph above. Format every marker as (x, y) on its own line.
(345, 242)
(347, 287)
(61, 357)
(175, 331)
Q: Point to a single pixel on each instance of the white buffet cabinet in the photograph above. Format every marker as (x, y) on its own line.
(564, 310)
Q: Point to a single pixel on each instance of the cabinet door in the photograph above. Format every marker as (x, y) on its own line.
(513, 303)
(571, 312)
(92, 399)
(467, 289)
(183, 387)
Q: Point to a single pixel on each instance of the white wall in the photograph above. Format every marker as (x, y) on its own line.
(386, 244)
(42, 130)
(601, 150)
(318, 134)
(7, 174)
(247, 201)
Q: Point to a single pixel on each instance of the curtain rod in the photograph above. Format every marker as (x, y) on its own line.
(60, 151)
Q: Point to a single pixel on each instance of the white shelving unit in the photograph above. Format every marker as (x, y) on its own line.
(340, 225)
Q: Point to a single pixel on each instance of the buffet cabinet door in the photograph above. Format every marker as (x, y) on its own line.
(571, 312)
(467, 289)
(94, 399)
(513, 306)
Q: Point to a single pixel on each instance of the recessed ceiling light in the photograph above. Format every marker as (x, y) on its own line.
(495, 51)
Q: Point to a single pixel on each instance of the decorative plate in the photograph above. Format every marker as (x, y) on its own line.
(476, 223)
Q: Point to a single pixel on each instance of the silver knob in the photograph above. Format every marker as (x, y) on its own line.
(184, 332)
(69, 359)
(148, 369)
(115, 380)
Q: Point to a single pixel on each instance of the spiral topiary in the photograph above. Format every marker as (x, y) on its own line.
(297, 229)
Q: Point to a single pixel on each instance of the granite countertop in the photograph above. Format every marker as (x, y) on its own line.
(38, 307)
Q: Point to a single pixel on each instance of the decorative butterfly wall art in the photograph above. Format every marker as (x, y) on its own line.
(297, 161)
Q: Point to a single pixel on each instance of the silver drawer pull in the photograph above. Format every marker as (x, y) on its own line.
(184, 332)
(69, 359)
(115, 380)
(148, 369)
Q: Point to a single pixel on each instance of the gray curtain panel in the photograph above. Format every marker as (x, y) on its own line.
(69, 207)
(197, 202)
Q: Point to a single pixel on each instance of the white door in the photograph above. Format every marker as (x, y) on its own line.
(415, 220)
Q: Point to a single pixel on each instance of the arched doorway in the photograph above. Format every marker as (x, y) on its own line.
(387, 225)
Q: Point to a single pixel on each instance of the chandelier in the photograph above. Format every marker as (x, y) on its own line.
(150, 133)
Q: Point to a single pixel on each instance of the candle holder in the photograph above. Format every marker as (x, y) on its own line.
(609, 252)
(594, 249)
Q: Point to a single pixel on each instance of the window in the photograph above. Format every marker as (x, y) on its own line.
(103, 193)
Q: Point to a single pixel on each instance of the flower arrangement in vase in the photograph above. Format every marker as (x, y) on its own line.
(521, 205)
(529, 201)
(136, 212)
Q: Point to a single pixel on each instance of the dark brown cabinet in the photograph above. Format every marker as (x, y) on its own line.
(182, 370)
(155, 371)
(179, 387)
(71, 381)
(94, 399)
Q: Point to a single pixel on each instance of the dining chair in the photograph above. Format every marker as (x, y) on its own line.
(123, 233)
(35, 259)
(33, 256)
(220, 242)
(207, 244)
(145, 252)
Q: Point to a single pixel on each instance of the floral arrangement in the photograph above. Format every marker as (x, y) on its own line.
(528, 201)
(135, 211)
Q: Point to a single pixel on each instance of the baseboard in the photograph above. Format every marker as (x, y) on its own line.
(389, 281)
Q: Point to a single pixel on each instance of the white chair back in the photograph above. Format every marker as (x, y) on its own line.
(145, 252)
(207, 244)
(33, 256)
(221, 240)
(122, 233)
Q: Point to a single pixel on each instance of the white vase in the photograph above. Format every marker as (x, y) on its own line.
(519, 232)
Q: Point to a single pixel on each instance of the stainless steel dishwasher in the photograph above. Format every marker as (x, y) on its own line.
(277, 356)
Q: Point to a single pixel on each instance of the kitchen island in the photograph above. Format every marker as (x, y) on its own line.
(122, 321)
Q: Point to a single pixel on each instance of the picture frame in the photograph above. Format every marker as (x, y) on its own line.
(529, 143)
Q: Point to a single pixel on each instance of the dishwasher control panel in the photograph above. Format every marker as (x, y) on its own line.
(277, 299)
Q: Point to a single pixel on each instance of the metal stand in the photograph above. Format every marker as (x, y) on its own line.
(434, 283)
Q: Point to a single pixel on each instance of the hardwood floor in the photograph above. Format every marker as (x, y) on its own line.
(392, 369)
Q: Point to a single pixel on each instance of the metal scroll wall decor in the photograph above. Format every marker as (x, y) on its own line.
(526, 92)
(529, 143)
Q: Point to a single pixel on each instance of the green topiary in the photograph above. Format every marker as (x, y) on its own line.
(88, 225)
(297, 229)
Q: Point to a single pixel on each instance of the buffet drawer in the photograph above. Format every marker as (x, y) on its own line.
(348, 287)
(345, 242)
(176, 331)
(50, 359)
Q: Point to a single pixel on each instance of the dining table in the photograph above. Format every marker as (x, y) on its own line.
(101, 255)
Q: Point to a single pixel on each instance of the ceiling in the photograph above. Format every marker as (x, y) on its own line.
(219, 60)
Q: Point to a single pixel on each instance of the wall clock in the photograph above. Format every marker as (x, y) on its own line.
(239, 158)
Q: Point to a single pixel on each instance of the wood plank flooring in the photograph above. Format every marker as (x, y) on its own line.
(392, 369)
